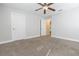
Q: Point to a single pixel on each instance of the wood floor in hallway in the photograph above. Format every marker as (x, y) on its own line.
(40, 46)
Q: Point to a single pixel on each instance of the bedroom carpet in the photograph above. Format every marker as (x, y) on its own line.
(40, 46)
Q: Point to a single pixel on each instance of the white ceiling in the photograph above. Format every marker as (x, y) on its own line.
(30, 7)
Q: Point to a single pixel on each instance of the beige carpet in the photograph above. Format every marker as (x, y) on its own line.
(41, 46)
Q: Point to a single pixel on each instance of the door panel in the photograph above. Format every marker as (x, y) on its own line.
(43, 27)
(18, 26)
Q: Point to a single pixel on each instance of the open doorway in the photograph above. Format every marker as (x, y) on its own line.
(46, 26)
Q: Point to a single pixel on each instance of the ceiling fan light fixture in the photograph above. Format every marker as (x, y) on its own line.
(45, 7)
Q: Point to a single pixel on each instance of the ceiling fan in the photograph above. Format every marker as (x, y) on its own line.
(45, 7)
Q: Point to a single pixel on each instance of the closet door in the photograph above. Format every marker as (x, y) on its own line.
(18, 22)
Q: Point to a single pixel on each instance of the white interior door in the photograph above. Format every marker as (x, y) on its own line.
(43, 27)
(46, 26)
(18, 26)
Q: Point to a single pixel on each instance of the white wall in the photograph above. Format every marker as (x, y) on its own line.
(66, 24)
(5, 32)
(32, 23)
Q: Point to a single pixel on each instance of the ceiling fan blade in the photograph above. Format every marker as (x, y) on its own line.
(50, 4)
(38, 9)
(44, 11)
(41, 4)
(45, 4)
(51, 9)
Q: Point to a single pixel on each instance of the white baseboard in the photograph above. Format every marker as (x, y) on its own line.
(3, 42)
(65, 38)
(32, 36)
